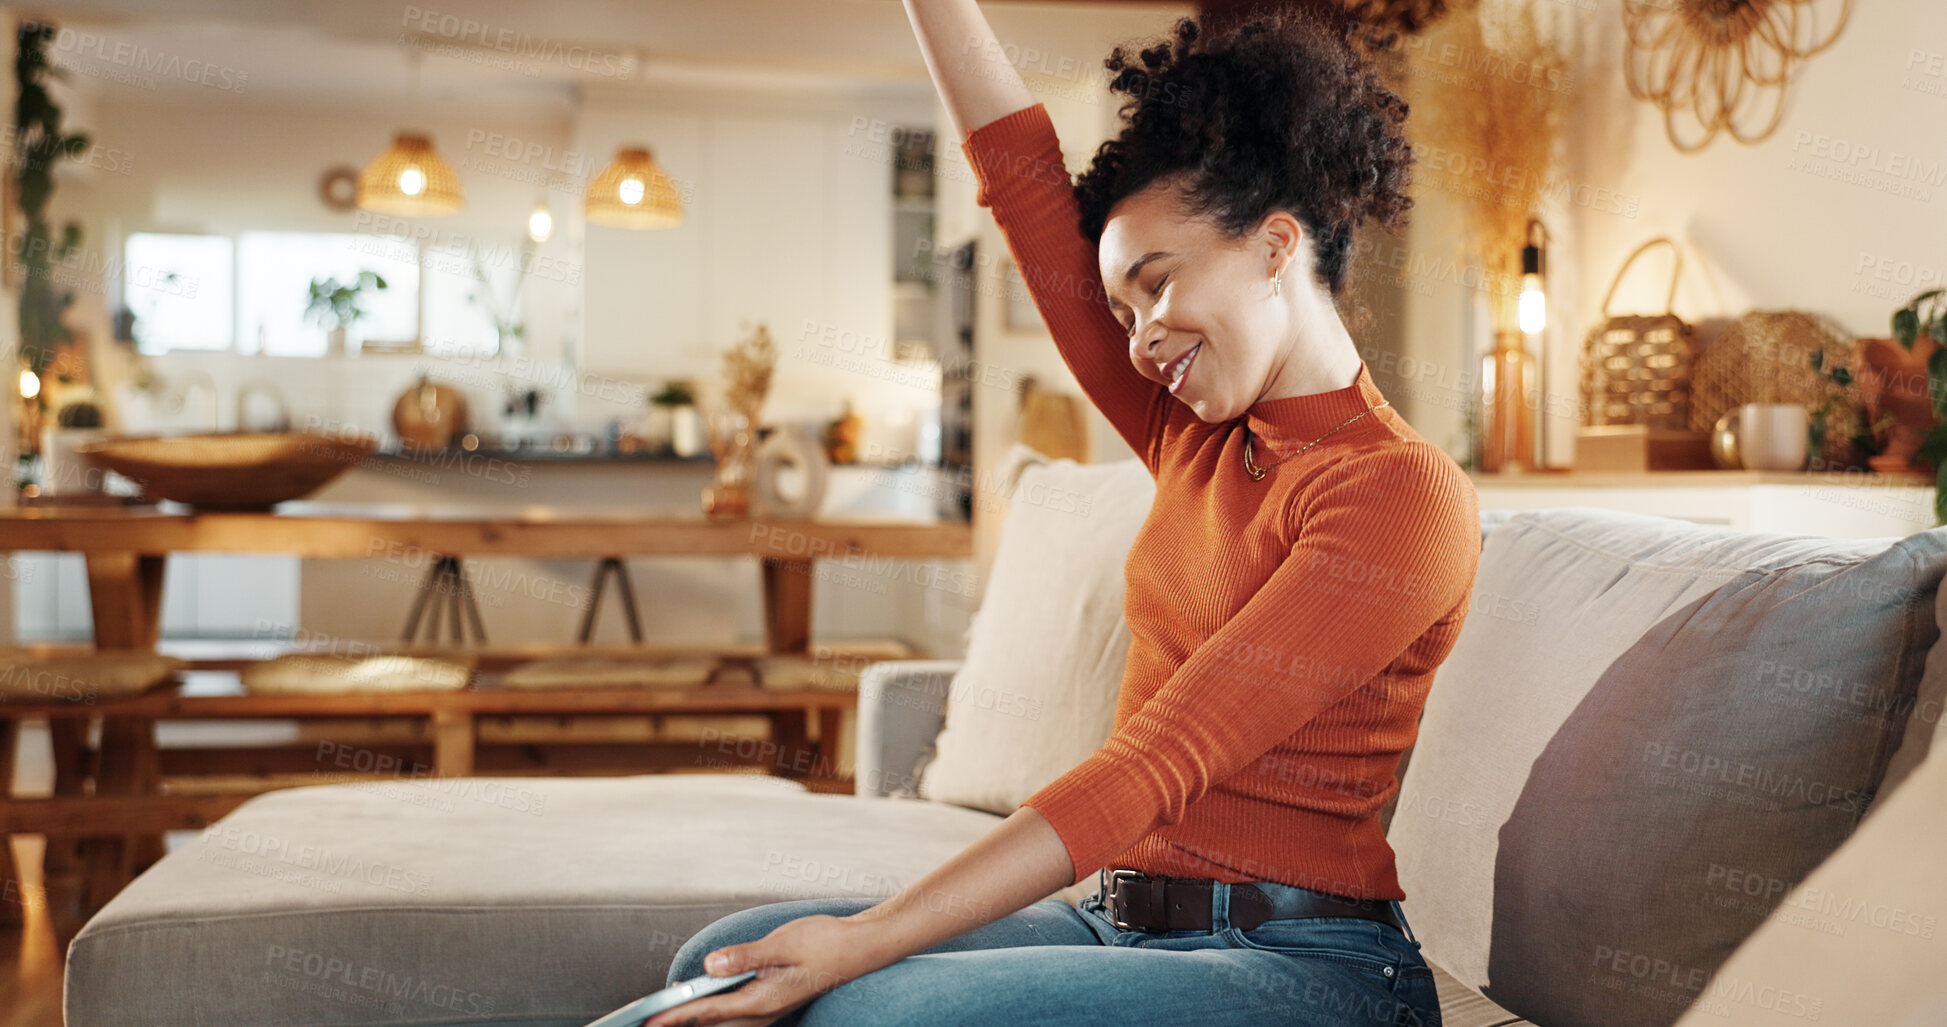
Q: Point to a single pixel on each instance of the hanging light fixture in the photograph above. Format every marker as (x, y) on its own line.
(410, 179)
(633, 191)
(540, 223)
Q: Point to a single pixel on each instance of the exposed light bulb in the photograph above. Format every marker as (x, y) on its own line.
(540, 224)
(630, 191)
(1534, 305)
(412, 181)
(30, 384)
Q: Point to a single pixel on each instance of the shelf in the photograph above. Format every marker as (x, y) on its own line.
(1696, 479)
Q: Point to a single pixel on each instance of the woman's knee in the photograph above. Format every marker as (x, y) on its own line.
(751, 924)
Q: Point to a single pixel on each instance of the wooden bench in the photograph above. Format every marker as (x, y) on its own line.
(115, 799)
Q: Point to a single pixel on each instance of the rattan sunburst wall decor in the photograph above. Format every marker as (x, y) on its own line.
(1719, 62)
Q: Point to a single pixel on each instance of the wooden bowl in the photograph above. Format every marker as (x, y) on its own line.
(232, 471)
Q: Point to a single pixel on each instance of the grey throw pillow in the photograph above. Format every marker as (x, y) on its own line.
(1712, 764)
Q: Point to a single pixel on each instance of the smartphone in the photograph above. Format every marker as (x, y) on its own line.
(633, 1014)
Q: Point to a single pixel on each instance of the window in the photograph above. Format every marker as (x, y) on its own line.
(461, 309)
(249, 294)
(179, 289)
(275, 270)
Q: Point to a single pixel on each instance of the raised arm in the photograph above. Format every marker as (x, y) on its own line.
(974, 79)
(1014, 152)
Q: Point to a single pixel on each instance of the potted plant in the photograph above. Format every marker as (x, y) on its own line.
(510, 331)
(1907, 391)
(1839, 410)
(40, 144)
(63, 472)
(673, 418)
(334, 305)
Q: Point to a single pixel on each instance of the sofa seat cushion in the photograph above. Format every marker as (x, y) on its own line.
(529, 901)
(1462, 1006)
(1647, 732)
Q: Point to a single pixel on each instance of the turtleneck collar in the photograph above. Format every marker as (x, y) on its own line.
(1286, 424)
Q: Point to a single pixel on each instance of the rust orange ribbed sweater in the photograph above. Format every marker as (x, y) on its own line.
(1284, 631)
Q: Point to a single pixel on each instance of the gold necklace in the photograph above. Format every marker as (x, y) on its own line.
(1257, 473)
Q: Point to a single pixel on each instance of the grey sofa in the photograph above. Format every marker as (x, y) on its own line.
(1643, 720)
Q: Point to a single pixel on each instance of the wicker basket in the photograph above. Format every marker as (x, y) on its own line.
(1766, 357)
(1636, 367)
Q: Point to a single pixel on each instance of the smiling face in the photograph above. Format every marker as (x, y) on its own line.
(1198, 306)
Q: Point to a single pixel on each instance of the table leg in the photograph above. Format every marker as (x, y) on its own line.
(61, 864)
(125, 596)
(790, 736)
(13, 894)
(830, 723)
(787, 605)
(452, 743)
(128, 767)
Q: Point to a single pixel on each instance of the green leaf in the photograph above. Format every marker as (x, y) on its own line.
(1937, 380)
(1842, 375)
(1933, 448)
(1940, 496)
(1906, 325)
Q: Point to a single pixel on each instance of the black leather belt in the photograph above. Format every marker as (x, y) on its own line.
(1135, 901)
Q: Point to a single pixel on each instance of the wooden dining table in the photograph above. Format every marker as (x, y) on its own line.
(126, 551)
(126, 548)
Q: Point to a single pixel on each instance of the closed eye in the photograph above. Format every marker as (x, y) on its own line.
(1130, 328)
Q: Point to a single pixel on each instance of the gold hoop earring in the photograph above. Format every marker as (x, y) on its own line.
(1277, 285)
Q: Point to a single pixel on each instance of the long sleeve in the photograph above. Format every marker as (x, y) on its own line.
(1023, 180)
(1386, 546)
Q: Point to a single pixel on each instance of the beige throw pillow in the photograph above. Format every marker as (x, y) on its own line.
(1045, 651)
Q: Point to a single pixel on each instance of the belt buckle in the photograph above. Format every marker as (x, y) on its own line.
(1115, 907)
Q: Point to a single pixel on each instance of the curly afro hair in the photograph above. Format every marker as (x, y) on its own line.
(1279, 113)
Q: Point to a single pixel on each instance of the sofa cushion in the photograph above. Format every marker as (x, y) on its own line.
(1926, 724)
(1462, 1006)
(1046, 649)
(512, 901)
(1643, 720)
(1858, 941)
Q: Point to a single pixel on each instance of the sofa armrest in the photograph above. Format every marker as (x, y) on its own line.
(902, 704)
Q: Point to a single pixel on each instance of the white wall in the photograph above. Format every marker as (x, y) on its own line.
(788, 224)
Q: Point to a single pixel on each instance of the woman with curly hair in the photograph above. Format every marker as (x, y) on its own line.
(1304, 568)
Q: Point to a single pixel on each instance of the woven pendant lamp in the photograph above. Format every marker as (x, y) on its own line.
(410, 180)
(633, 191)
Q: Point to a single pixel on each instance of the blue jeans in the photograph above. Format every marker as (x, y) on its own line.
(1052, 963)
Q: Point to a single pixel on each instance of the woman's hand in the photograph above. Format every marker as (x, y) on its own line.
(1021, 860)
(795, 963)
